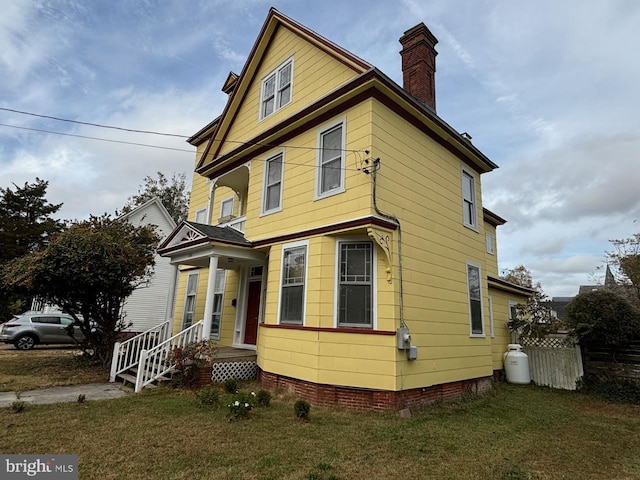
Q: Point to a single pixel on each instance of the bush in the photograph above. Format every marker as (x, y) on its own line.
(614, 389)
(240, 405)
(263, 398)
(302, 409)
(18, 406)
(207, 397)
(603, 318)
(231, 385)
(189, 359)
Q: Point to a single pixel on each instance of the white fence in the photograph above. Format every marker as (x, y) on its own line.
(555, 361)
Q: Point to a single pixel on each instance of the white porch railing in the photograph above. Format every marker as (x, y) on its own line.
(156, 361)
(126, 354)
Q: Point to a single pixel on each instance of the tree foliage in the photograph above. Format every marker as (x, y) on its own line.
(533, 318)
(625, 263)
(172, 192)
(88, 271)
(25, 226)
(604, 318)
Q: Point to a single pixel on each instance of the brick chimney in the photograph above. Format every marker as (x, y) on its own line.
(419, 64)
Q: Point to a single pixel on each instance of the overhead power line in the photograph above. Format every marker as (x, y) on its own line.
(150, 132)
(97, 138)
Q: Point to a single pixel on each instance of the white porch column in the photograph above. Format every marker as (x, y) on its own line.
(208, 304)
(171, 298)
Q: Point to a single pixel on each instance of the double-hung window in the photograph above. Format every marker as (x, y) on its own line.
(276, 89)
(201, 215)
(272, 190)
(190, 300)
(355, 284)
(475, 299)
(226, 209)
(469, 200)
(331, 161)
(292, 291)
(218, 291)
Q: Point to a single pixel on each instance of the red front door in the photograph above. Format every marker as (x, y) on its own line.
(253, 310)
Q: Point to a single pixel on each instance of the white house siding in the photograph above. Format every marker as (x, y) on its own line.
(147, 305)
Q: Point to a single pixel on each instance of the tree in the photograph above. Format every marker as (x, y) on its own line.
(624, 261)
(25, 226)
(603, 318)
(533, 318)
(172, 193)
(88, 271)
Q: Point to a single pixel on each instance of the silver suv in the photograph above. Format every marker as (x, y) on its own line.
(32, 328)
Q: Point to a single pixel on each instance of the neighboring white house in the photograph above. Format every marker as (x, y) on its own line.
(152, 303)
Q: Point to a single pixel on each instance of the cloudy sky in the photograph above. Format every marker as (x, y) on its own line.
(549, 90)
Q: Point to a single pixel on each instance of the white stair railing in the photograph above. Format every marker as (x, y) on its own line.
(156, 361)
(126, 354)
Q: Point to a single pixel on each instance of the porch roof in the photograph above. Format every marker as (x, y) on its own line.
(194, 243)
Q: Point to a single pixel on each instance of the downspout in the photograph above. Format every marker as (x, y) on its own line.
(393, 218)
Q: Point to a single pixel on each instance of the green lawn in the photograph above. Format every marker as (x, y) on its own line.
(515, 432)
(45, 366)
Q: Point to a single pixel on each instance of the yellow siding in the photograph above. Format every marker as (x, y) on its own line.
(299, 209)
(420, 182)
(502, 337)
(336, 358)
(314, 75)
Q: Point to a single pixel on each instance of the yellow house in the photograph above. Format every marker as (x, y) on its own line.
(336, 227)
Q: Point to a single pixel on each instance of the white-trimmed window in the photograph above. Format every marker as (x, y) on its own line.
(475, 300)
(331, 160)
(490, 244)
(190, 300)
(272, 189)
(469, 214)
(218, 293)
(226, 209)
(201, 216)
(355, 284)
(292, 284)
(276, 89)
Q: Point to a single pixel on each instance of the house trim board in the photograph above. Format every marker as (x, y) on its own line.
(365, 331)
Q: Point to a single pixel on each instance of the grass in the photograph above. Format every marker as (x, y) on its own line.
(45, 366)
(515, 432)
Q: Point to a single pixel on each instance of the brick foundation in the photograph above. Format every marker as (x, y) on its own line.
(362, 398)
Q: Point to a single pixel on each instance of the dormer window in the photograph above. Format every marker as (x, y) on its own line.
(276, 89)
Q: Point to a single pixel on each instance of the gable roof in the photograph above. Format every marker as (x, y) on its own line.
(369, 82)
(153, 203)
(273, 22)
(190, 234)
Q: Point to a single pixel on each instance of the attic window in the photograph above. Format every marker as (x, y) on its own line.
(276, 89)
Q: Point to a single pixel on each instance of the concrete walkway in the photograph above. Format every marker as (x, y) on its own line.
(91, 391)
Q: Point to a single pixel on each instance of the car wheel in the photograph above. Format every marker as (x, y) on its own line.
(25, 342)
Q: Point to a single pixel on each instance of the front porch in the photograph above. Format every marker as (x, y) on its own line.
(236, 363)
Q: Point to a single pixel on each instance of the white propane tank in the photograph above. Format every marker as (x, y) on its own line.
(516, 365)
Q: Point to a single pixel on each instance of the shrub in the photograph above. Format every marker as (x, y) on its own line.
(18, 406)
(302, 409)
(189, 359)
(240, 405)
(207, 397)
(614, 389)
(603, 318)
(263, 398)
(231, 385)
